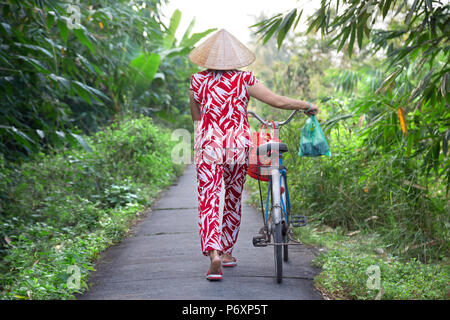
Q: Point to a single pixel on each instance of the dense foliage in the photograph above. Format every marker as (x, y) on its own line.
(69, 68)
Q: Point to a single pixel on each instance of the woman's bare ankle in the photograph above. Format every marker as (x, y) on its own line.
(215, 261)
(213, 254)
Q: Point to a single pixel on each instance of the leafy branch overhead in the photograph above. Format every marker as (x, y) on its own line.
(413, 38)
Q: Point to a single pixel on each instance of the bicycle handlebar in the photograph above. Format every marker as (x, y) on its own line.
(278, 123)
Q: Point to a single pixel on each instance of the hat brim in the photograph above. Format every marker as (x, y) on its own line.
(222, 51)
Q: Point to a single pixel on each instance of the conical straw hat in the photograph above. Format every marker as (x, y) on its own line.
(222, 51)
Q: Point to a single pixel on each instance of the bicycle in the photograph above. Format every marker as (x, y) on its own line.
(277, 224)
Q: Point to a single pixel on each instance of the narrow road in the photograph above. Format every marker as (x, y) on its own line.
(162, 259)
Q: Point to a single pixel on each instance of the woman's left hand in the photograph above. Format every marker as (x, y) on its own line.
(312, 109)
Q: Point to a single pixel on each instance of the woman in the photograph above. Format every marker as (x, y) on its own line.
(219, 97)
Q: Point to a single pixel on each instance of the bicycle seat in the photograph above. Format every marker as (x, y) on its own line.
(271, 146)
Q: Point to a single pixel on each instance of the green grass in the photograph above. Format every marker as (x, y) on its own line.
(348, 264)
(63, 209)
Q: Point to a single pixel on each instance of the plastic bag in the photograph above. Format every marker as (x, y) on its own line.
(312, 140)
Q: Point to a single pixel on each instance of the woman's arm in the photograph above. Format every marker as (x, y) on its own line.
(195, 107)
(262, 93)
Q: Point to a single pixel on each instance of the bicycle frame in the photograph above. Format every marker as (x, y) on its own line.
(277, 173)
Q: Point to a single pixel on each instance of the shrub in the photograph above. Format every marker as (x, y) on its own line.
(62, 209)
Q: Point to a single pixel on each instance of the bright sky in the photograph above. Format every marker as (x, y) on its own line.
(233, 15)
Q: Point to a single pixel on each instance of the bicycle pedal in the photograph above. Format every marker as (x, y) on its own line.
(298, 221)
(259, 241)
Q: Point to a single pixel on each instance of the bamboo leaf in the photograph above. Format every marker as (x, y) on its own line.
(360, 34)
(298, 19)
(285, 26)
(389, 80)
(21, 134)
(313, 23)
(411, 11)
(79, 33)
(95, 92)
(421, 86)
(409, 145)
(272, 30)
(61, 80)
(35, 63)
(266, 21)
(345, 33)
(82, 142)
(352, 41)
(63, 30)
(34, 48)
(83, 93)
(386, 6)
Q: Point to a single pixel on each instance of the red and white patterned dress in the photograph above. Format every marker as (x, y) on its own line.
(222, 142)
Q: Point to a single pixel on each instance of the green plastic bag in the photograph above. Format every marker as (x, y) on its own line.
(312, 140)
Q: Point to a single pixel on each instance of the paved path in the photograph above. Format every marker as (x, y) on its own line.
(162, 258)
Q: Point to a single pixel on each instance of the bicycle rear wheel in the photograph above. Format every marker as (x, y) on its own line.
(277, 224)
(278, 254)
(285, 240)
(285, 225)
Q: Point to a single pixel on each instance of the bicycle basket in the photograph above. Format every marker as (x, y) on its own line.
(255, 163)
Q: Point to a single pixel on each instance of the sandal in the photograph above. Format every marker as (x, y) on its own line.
(214, 277)
(228, 264)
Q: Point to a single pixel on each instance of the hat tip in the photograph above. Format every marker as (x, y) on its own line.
(213, 51)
